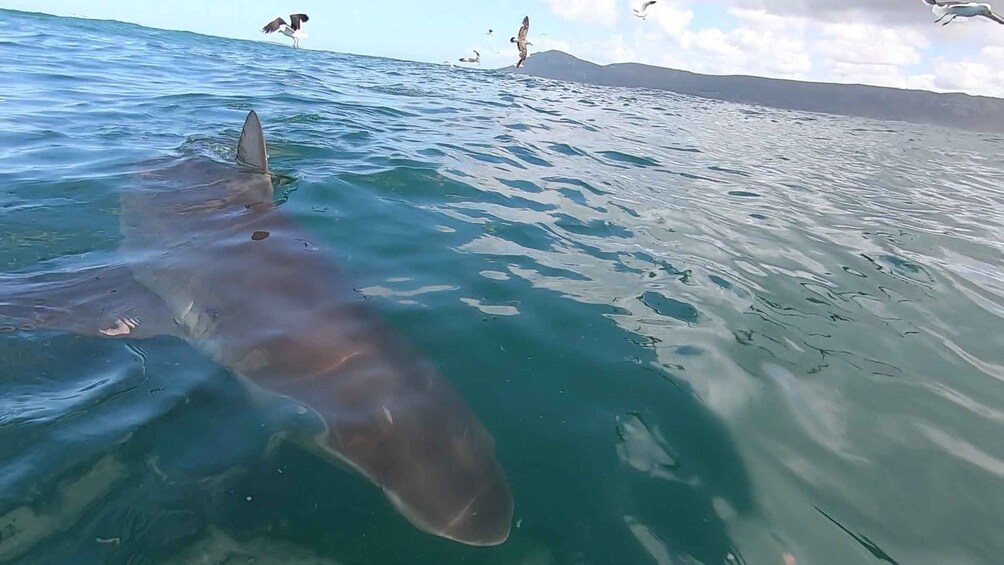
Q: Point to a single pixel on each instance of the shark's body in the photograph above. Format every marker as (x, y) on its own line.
(209, 258)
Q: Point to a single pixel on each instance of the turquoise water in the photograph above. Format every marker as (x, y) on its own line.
(699, 332)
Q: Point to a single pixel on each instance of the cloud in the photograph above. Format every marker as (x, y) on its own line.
(984, 75)
(877, 42)
(673, 17)
(869, 44)
(586, 11)
(906, 12)
(762, 43)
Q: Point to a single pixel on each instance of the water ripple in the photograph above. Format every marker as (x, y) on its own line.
(692, 329)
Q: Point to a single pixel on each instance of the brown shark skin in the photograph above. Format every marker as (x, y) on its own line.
(280, 313)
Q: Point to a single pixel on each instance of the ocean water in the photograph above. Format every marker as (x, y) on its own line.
(699, 332)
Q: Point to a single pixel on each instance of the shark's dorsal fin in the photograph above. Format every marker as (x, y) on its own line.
(251, 147)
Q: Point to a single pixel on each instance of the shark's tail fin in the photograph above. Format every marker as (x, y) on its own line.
(251, 147)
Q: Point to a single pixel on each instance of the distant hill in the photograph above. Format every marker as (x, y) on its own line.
(977, 113)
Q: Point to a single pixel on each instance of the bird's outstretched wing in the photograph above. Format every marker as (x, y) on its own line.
(296, 19)
(521, 38)
(273, 25)
(647, 4)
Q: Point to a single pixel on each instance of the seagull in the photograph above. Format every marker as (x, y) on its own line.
(475, 59)
(951, 10)
(641, 12)
(520, 41)
(289, 30)
(489, 32)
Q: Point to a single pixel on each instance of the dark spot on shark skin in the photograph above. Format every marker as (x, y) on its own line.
(259, 235)
(310, 247)
(254, 206)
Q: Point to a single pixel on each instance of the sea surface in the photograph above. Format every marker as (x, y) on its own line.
(699, 332)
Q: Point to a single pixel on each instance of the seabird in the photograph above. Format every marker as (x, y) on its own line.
(641, 12)
(951, 10)
(475, 59)
(520, 41)
(289, 30)
(489, 32)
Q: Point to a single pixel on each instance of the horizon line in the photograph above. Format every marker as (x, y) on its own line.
(761, 77)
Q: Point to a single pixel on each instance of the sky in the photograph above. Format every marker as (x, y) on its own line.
(880, 42)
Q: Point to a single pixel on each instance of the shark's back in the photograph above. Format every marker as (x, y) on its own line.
(208, 257)
(250, 288)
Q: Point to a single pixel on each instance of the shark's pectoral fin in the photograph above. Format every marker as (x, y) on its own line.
(104, 301)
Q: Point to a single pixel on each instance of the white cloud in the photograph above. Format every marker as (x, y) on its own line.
(867, 44)
(587, 11)
(858, 41)
(763, 43)
(983, 75)
(673, 17)
(861, 52)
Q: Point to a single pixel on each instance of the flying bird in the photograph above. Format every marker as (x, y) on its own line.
(289, 30)
(640, 12)
(951, 10)
(475, 59)
(520, 41)
(490, 32)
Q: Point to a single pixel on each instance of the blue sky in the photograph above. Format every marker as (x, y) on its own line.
(883, 42)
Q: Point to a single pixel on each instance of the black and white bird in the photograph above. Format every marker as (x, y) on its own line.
(289, 30)
(475, 59)
(640, 12)
(951, 10)
(520, 41)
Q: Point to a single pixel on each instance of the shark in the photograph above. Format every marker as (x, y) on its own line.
(207, 256)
